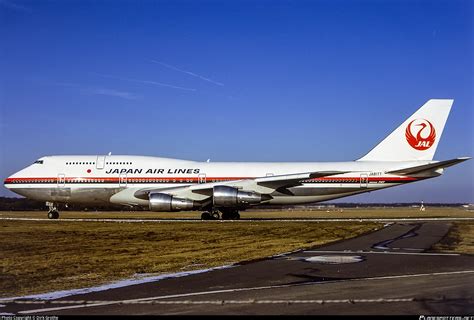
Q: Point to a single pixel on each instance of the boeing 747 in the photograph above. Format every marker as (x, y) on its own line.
(222, 189)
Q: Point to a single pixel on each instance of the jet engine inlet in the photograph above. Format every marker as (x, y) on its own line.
(165, 202)
(224, 197)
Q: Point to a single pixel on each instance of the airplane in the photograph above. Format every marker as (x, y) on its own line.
(221, 189)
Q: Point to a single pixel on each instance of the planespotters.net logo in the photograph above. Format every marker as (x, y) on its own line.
(420, 134)
(446, 318)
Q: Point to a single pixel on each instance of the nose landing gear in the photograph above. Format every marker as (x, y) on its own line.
(53, 212)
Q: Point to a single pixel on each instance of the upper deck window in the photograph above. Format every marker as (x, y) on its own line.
(38, 161)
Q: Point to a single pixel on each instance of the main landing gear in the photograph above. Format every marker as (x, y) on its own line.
(226, 215)
(206, 215)
(230, 215)
(53, 212)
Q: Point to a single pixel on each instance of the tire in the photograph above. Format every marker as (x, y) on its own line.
(206, 216)
(53, 215)
(233, 215)
(225, 216)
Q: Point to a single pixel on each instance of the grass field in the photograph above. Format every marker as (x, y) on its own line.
(404, 212)
(42, 256)
(460, 239)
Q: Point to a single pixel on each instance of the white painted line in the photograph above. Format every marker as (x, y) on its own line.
(253, 301)
(382, 252)
(332, 259)
(194, 294)
(415, 275)
(119, 284)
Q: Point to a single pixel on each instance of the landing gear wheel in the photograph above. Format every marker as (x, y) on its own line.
(53, 212)
(53, 215)
(225, 216)
(206, 216)
(232, 215)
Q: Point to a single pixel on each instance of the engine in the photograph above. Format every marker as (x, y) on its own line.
(224, 197)
(165, 202)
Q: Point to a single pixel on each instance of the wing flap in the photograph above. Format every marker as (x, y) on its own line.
(291, 180)
(263, 185)
(272, 182)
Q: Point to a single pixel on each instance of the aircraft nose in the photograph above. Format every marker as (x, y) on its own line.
(8, 182)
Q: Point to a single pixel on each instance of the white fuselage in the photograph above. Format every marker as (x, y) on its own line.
(96, 179)
(163, 184)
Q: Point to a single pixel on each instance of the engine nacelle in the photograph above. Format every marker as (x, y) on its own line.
(165, 202)
(224, 197)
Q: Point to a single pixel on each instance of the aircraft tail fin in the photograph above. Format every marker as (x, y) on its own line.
(417, 138)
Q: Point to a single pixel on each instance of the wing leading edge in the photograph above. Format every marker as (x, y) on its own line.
(263, 185)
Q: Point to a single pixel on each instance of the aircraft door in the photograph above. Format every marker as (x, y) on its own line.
(364, 180)
(202, 178)
(61, 180)
(61, 193)
(100, 163)
(123, 180)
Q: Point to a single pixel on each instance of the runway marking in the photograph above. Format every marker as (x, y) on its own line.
(194, 294)
(137, 280)
(383, 252)
(241, 220)
(255, 301)
(320, 301)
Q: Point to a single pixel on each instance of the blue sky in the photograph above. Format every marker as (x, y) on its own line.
(235, 80)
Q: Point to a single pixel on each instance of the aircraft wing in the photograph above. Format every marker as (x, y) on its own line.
(429, 167)
(263, 185)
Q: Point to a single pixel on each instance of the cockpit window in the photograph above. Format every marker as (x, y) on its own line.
(39, 161)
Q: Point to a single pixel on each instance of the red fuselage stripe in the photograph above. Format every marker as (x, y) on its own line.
(190, 179)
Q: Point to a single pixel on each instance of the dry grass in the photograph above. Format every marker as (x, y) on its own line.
(41, 256)
(377, 212)
(460, 239)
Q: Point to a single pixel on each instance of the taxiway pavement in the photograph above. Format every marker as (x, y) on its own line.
(389, 271)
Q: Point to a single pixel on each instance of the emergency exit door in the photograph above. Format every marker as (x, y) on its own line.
(364, 180)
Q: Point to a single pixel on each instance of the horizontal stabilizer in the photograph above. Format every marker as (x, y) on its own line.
(429, 167)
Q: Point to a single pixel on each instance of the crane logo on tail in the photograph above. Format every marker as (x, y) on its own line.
(420, 134)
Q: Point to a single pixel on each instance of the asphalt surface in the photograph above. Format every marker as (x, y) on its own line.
(390, 271)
